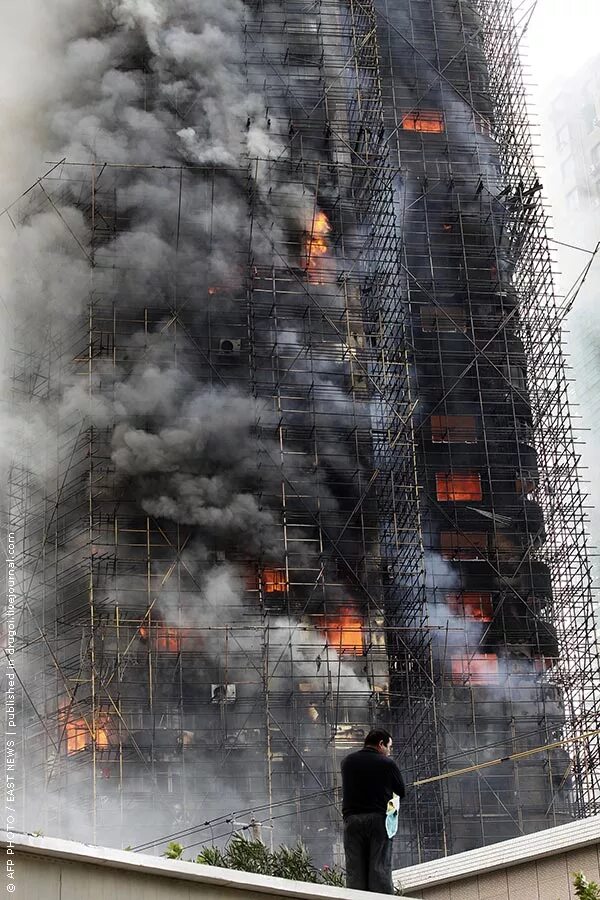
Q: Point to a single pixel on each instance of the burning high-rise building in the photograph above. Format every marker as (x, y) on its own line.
(296, 454)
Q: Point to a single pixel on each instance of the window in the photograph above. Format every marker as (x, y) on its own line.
(453, 430)
(471, 604)
(443, 318)
(525, 483)
(541, 664)
(426, 120)
(516, 376)
(524, 432)
(343, 630)
(458, 486)
(467, 545)
(479, 668)
(273, 581)
(482, 125)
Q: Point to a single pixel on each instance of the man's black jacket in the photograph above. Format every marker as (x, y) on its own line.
(368, 781)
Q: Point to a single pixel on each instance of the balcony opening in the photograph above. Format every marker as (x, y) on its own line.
(475, 605)
(273, 581)
(463, 545)
(443, 318)
(458, 486)
(479, 668)
(343, 630)
(541, 664)
(453, 430)
(525, 484)
(425, 120)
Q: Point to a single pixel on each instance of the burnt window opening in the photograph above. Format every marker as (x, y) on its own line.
(525, 483)
(425, 120)
(515, 375)
(524, 431)
(475, 605)
(463, 545)
(443, 318)
(273, 581)
(453, 430)
(458, 486)
(477, 668)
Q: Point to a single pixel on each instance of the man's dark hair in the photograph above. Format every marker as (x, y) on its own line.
(374, 738)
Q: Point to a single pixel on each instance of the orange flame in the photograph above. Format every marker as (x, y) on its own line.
(478, 668)
(455, 486)
(344, 632)
(168, 638)
(316, 247)
(273, 581)
(424, 120)
(472, 604)
(81, 735)
(101, 739)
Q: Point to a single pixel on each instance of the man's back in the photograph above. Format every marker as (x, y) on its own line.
(368, 780)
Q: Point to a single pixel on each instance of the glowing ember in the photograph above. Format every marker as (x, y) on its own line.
(316, 247)
(479, 668)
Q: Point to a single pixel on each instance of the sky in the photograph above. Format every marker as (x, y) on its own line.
(561, 36)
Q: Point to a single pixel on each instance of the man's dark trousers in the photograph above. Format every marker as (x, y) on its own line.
(368, 853)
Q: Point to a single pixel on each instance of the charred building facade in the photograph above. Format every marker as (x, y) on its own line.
(307, 463)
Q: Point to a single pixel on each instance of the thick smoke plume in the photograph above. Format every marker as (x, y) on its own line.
(137, 99)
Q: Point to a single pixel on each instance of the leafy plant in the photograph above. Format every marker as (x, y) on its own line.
(584, 889)
(173, 851)
(211, 856)
(253, 856)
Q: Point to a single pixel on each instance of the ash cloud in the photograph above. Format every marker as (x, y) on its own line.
(137, 85)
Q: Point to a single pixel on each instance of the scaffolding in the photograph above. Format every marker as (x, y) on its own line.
(311, 467)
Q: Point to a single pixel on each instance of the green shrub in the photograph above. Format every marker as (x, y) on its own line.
(173, 851)
(584, 889)
(253, 856)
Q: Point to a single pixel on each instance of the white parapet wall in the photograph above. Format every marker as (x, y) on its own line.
(533, 867)
(47, 868)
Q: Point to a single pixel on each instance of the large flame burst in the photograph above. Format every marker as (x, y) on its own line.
(343, 630)
(316, 247)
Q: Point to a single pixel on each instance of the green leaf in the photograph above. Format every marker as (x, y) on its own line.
(173, 851)
(584, 889)
(211, 856)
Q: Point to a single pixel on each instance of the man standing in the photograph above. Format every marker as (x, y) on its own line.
(369, 778)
